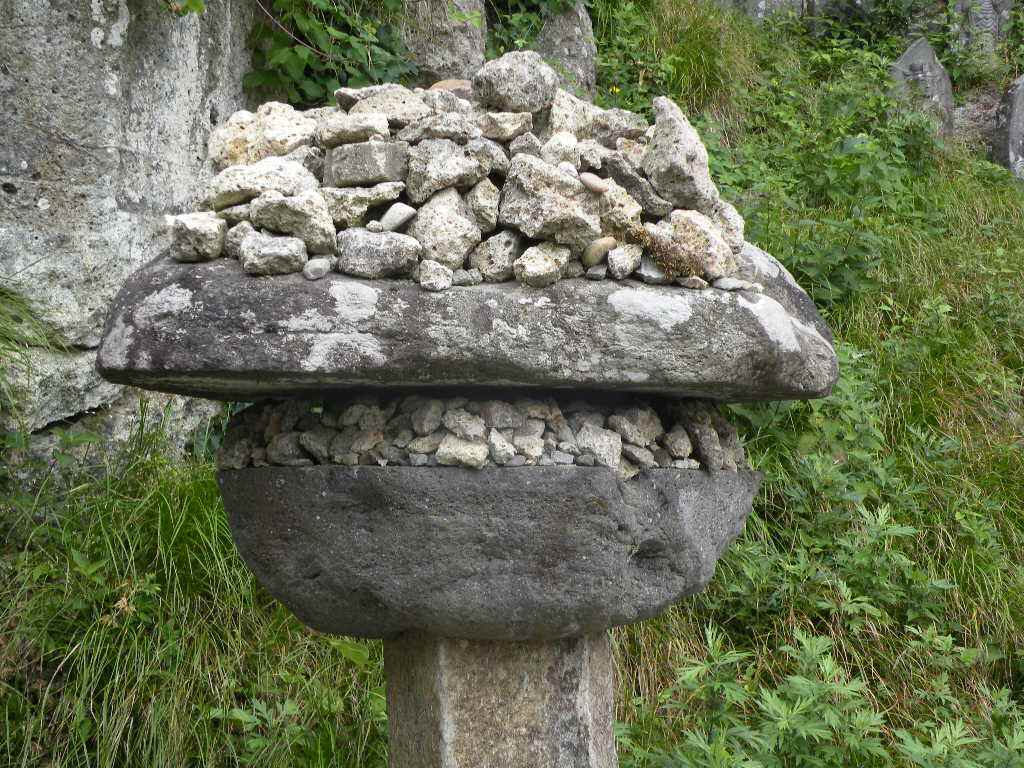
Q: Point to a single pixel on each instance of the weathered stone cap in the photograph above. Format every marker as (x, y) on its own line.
(499, 554)
(210, 330)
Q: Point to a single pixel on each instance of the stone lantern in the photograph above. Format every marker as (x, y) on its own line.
(484, 341)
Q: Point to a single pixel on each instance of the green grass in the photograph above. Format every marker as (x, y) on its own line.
(872, 614)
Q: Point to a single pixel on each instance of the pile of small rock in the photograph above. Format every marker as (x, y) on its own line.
(425, 430)
(506, 177)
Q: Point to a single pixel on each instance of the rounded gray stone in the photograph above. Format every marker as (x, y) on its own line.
(490, 554)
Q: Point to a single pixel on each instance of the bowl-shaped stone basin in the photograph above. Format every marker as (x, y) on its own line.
(494, 554)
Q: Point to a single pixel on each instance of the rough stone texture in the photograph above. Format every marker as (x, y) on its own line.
(481, 554)
(982, 23)
(376, 254)
(446, 125)
(624, 260)
(482, 200)
(210, 330)
(702, 240)
(542, 202)
(495, 255)
(349, 206)
(368, 162)
(541, 265)
(437, 164)
(242, 183)
(519, 81)
(341, 128)
(434, 276)
(446, 229)
(91, 163)
(445, 38)
(920, 75)
(676, 161)
(305, 215)
(263, 254)
(1008, 139)
(246, 137)
(464, 704)
(566, 42)
(504, 126)
(197, 236)
(401, 105)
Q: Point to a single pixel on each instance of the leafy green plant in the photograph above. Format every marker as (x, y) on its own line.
(21, 330)
(303, 50)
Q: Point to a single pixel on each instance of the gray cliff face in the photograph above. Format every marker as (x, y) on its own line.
(1008, 139)
(211, 330)
(494, 554)
(106, 107)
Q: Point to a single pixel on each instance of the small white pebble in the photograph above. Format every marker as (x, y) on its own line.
(594, 183)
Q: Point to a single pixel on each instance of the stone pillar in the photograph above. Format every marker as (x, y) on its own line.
(492, 704)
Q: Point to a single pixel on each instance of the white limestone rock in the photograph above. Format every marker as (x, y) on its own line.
(541, 265)
(624, 260)
(367, 162)
(603, 444)
(698, 236)
(676, 161)
(527, 144)
(490, 154)
(436, 164)
(638, 425)
(341, 128)
(543, 203)
(241, 183)
(398, 103)
(504, 126)
(561, 148)
(446, 229)
(464, 277)
(501, 450)
(448, 125)
(316, 268)
(570, 114)
(482, 200)
(618, 208)
(349, 206)
(247, 137)
(362, 253)
(396, 217)
(519, 81)
(197, 236)
(456, 452)
(434, 276)
(234, 238)
(263, 254)
(495, 256)
(305, 216)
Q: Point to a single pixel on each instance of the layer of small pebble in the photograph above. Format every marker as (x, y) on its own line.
(423, 431)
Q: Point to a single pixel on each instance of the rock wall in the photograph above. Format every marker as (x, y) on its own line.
(105, 109)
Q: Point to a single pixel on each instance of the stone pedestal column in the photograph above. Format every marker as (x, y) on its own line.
(491, 704)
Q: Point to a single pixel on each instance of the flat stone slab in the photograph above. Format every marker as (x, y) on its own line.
(210, 330)
(493, 554)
